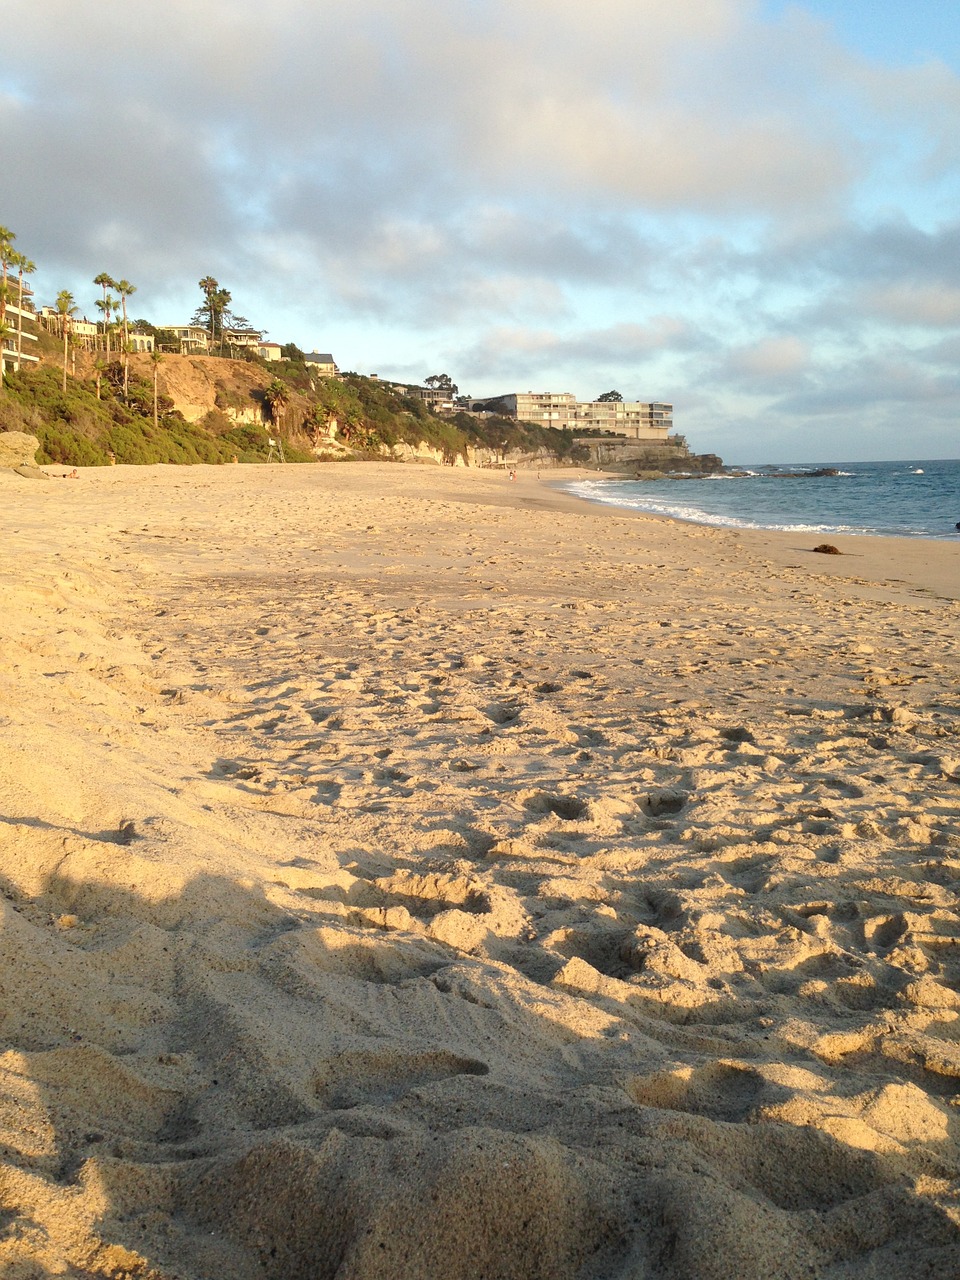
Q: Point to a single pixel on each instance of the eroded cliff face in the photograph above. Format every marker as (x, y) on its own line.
(475, 457)
(198, 384)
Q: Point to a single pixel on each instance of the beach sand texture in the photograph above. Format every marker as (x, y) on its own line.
(410, 873)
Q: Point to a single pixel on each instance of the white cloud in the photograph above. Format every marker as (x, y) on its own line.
(773, 358)
(926, 305)
(637, 191)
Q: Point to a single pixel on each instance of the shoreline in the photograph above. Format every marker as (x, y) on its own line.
(925, 565)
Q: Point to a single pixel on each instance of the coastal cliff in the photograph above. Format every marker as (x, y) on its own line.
(189, 409)
(648, 459)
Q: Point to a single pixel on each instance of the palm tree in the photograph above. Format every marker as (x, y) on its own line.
(210, 287)
(7, 238)
(157, 359)
(5, 333)
(125, 288)
(277, 397)
(65, 310)
(98, 367)
(24, 267)
(105, 282)
(107, 305)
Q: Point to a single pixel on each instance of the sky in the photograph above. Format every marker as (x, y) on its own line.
(747, 208)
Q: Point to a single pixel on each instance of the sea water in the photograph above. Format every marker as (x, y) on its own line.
(893, 499)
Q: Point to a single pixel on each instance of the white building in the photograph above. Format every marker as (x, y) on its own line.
(631, 418)
(634, 419)
(193, 338)
(22, 321)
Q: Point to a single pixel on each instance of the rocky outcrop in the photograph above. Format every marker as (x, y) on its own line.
(18, 452)
(648, 458)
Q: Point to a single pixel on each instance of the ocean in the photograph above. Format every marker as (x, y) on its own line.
(892, 499)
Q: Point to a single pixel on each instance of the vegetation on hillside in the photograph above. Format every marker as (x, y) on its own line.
(92, 408)
(113, 414)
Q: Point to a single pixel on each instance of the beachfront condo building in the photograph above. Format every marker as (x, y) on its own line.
(545, 408)
(634, 419)
(631, 418)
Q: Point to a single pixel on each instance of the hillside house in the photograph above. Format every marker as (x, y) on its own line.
(22, 322)
(323, 364)
(194, 340)
(245, 339)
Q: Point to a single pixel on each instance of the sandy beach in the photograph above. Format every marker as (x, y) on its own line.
(409, 873)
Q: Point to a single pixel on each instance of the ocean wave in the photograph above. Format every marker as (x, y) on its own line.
(900, 500)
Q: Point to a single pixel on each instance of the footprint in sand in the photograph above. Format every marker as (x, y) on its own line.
(569, 808)
(378, 1077)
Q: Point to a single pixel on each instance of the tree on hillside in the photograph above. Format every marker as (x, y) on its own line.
(212, 310)
(7, 238)
(65, 311)
(125, 288)
(277, 397)
(208, 287)
(106, 306)
(442, 382)
(24, 267)
(105, 282)
(157, 359)
(609, 397)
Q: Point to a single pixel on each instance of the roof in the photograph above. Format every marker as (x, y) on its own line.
(316, 357)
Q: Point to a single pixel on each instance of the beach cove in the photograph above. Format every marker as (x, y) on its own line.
(411, 872)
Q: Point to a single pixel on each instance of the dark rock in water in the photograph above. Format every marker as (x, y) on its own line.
(772, 473)
(828, 549)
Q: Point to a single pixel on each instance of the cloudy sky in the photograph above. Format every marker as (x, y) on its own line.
(750, 208)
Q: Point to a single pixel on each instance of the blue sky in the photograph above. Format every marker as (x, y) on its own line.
(746, 207)
(895, 32)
